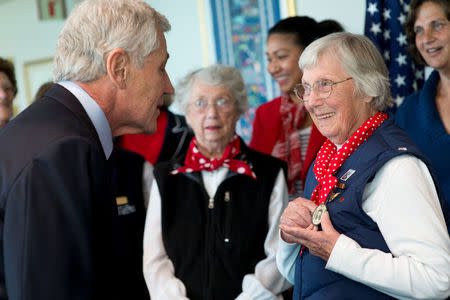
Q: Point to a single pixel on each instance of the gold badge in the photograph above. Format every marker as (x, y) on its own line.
(340, 185)
(332, 196)
(122, 200)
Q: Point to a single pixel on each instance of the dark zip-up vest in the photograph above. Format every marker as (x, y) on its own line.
(312, 280)
(214, 242)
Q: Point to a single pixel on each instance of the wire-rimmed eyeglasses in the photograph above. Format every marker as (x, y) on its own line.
(223, 105)
(322, 88)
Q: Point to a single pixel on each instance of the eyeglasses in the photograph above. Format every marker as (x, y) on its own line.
(322, 88)
(222, 105)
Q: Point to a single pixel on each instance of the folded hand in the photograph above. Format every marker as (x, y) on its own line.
(319, 243)
(297, 213)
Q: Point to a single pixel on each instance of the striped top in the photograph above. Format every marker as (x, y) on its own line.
(304, 139)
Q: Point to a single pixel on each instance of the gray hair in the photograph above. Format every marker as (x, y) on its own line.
(96, 27)
(360, 59)
(216, 75)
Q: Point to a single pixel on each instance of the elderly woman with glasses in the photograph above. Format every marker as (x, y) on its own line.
(212, 222)
(371, 224)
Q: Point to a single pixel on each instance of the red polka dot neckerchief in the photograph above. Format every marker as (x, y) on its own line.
(329, 161)
(196, 161)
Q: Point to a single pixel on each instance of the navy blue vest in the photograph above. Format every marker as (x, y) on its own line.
(312, 281)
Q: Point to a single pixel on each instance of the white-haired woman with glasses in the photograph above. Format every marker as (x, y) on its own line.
(212, 222)
(371, 224)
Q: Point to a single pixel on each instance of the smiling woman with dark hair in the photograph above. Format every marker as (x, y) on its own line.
(282, 127)
(425, 115)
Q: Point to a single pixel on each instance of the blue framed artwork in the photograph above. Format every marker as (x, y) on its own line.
(240, 32)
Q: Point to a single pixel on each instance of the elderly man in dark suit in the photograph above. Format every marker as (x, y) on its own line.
(58, 214)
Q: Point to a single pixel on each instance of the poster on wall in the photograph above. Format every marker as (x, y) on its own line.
(240, 31)
(36, 73)
(51, 9)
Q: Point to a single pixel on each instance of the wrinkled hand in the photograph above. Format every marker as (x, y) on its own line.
(319, 243)
(297, 213)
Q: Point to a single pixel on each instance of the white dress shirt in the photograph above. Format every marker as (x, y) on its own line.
(265, 283)
(403, 201)
(95, 114)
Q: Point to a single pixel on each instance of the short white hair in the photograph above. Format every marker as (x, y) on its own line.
(96, 27)
(216, 75)
(360, 59)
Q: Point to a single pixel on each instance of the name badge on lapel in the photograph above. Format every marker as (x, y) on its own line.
(123, 207)
(122, 200)
(347, 175)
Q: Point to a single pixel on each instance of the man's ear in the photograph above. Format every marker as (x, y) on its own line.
(117, 67)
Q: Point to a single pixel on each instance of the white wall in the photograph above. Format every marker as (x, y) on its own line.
(24, 38)
(350, 13)
(184, 40)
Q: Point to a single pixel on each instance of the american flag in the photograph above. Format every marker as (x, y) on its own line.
(384, 26)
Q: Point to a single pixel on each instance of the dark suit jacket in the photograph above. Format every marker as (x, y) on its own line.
(131, 221)
(57, 208)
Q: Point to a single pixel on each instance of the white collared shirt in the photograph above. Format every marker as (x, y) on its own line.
(95, 114)
(403, 201)
(159, 273)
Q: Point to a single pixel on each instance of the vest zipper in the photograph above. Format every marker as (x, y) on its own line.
(227, 200)
(211, 203)
(210, 250)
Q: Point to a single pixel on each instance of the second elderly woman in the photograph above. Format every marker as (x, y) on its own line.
(212, 223)
(372, 226)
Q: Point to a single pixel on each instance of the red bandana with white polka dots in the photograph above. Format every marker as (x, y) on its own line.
(196, 161)
(328, 161)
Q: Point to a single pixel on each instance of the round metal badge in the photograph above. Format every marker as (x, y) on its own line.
(317, 214)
